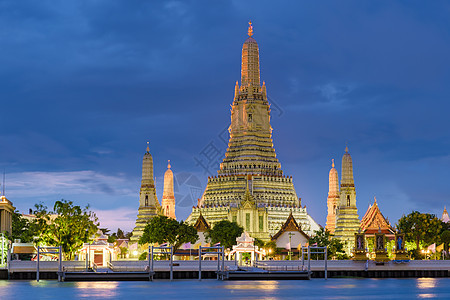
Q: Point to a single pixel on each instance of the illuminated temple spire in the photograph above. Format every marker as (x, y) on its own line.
(148, 203)
(168, 199)
(333, 198)
(347, 220)
(250, 188)
(347, 169)
(250, 61)
(250, 148)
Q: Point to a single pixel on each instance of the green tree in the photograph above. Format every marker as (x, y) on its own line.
(421, 227)
(445, 238)
(335, 248)
(20, 229)
(71, 227)
(259, 243)
(225, 232)
(162, 229)
(271, 248)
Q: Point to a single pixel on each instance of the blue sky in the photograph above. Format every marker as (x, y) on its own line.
(85, 84)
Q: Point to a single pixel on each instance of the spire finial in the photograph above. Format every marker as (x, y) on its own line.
(148, 148)
(250, 28)
(168, 165)
(346, 148)
(332, 162)
(374, 200)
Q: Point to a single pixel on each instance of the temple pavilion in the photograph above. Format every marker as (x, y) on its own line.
(374, 222)
(250, 187)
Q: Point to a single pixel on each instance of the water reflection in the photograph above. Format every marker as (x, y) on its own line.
(427, 296)
(426, 283)
(269, 285)
(97, 289)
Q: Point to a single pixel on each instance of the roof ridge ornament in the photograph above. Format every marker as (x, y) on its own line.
(332, 162)
(148, 148)
(250, 28)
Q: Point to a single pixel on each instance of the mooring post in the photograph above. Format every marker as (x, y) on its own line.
(218, 262)
(171, 263)
(151, 267)
(326, 260)
(60, 263)
(309, 262)
(149, 258)
(303, 260)
(8, 261)
(3, 249)
(37, 266)
(223, 261)
(200, 263)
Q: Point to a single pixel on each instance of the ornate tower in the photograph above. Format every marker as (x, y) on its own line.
(148, 203)
(168, 200)
(333, 198)
(347, 220)
(250, 188)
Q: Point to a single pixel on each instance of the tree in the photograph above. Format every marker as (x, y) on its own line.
(259, 243)
(161, 229)
(445, 238)
(324, 238)
(271, 248)
(71, 227)
(225, 232)
(20, 229)
(419, 227)
(118, 235)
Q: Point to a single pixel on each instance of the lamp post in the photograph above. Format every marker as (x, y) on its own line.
(290, 252)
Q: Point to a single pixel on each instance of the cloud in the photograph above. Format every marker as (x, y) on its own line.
(122, 217)
(26, 184)
(332, 92)
(95, 189)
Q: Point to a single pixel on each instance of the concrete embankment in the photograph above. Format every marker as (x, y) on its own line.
(124, 270)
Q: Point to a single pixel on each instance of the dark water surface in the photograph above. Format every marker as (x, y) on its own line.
(213, 289)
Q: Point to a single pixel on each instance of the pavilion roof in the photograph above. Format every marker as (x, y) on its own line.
(289, 225)
(201, 225)
(374, 221)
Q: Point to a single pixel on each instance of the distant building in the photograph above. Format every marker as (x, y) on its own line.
(202, 227)
(6, 212)
(99, 251)
(290, 236)
(445, 218)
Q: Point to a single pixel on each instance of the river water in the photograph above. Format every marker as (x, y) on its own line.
(342, 288)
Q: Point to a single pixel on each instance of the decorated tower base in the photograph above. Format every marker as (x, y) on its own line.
(380, 248)
(400, 252)
(360, 252)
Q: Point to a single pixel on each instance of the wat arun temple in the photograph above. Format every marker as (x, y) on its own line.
(250, 187)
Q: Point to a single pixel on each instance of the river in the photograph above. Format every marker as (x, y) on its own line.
(342, 288)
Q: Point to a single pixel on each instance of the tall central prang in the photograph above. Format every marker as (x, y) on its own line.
(250, 188)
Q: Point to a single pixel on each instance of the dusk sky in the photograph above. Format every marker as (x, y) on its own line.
(85, 84)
